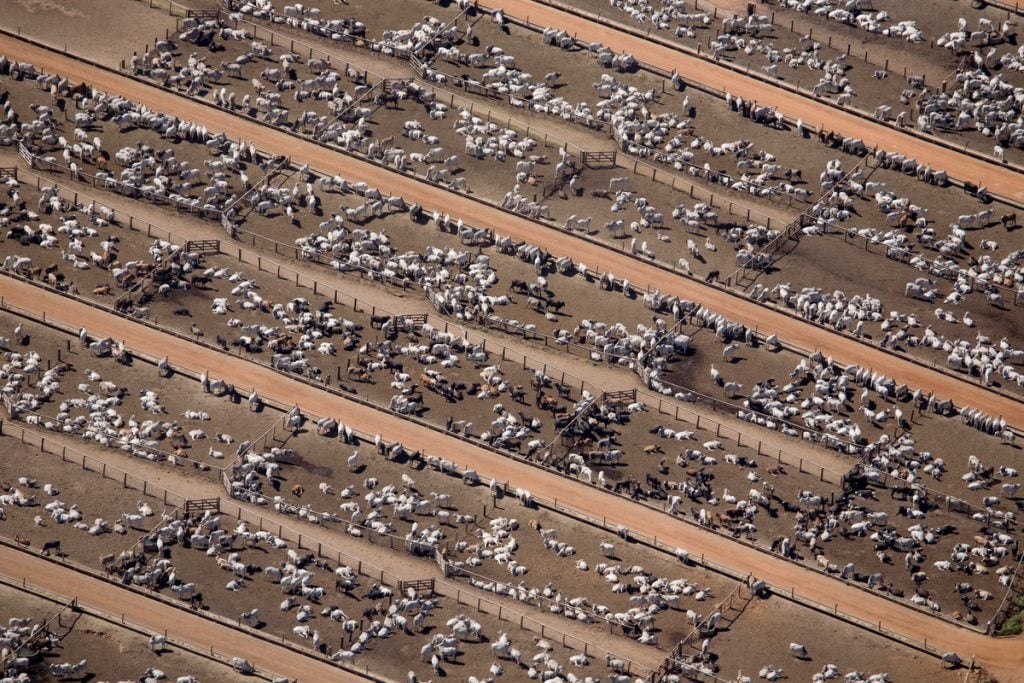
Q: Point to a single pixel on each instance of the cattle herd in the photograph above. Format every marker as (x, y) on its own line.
(242, 182)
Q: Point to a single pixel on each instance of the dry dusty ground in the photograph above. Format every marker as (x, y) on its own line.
(926, 195)
(761, 636)
(694, 363)
(319, 461)
(868, 52)
(113, 653)
(197, 567)
(662, 527)
(84, 26)
(671, 251)
(945, 204)
(772, 643)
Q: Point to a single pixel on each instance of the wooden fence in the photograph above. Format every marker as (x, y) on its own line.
(621, 159)
(36, 634)
(554, 505)
(204, 14)
(193, 505)
(592, 159)
(417, 586)
(203, 246)
(114, 185)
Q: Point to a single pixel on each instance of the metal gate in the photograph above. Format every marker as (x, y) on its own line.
(591, 159)
(202, 505)
(203, 246)
(418, 586)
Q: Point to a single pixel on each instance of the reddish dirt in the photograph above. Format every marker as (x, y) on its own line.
(999, 180)
(155, 617)
(114, 653)
(999, 656)
(843, 350)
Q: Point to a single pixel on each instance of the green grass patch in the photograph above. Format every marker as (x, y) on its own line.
(1015, 623)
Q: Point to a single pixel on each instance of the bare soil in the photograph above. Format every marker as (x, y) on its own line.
(113, 653)
(762, 634)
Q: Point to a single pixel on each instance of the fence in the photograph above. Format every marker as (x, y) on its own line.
(866, 116)
(417, 586)
(524, 361)
(1004, 610)
(257, 188)
(442, 587)
(230, 228)
(1005, 6)
(26, 155)
(906, 256)
(721, 430)
(193, 505)
(204, 14)
(172, 7)
(638, 165)
(122, 188)
(507, 354)
(674, 663)
(89, 463)
(122, 619)
(591, 159)
(603, 524)
(37, 633)
(130, 481)
(527, 362)
(469, 598)
(202, 246)
(764, 257)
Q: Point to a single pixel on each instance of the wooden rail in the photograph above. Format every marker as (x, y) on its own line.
(625, 396)
(203, 13)
(201, 505)
(418, 586)
(591, 159)
(203, 246)
(411, 321)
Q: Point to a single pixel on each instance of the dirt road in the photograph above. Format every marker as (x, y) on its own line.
(842, 349)
(153, 616)
(373, 557)
(604, 376)
(1004, 657)
(999, 179)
